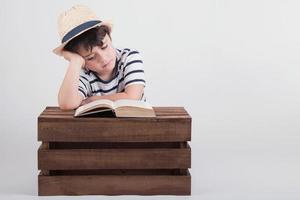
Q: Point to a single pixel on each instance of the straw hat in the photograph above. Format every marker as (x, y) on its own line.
(74, 22)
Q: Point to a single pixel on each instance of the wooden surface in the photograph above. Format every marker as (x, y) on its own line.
(170, 124)
(150, 184)
(126, 158)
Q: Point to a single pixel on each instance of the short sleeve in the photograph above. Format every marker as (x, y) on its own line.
(84, 87)
(134, 69)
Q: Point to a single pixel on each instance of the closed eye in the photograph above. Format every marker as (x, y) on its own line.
(90, 58)
(104, 47)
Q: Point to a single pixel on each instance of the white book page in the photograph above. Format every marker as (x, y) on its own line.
(95, 104)
(132, 103)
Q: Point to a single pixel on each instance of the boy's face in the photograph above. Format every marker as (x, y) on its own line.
(100, 59)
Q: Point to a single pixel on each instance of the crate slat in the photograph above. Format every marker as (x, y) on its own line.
(66, 128)
(115, 185)
(170, 111)
(172, 124)
(114, 158)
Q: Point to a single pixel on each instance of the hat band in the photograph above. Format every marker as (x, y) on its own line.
(79, 29)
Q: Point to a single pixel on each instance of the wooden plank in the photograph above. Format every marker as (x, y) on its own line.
(172, 124)
(166, 111)
(127, 158)
(161, 113)
(114, 185)
(114, 130)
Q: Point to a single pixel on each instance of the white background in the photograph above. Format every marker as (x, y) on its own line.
(234, 65)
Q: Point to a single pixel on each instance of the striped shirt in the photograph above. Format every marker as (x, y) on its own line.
(128, 70)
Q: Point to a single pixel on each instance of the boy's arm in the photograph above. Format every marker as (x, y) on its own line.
(134, 92)
(68, 96)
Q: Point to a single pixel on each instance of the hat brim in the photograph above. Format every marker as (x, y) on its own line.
(58, 50)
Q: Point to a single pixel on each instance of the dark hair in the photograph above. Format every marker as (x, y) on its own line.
(88, 39)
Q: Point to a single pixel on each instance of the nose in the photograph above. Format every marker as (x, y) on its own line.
(104, 58)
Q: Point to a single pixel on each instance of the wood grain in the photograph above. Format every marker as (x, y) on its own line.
(115, 185)
(171, 125)
(126, 158)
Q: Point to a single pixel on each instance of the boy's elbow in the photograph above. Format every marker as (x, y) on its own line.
(67, 106)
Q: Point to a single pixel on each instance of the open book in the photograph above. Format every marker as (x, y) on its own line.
(119, 108)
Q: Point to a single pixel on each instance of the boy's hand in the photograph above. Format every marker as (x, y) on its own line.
(89, 99)
(73, 57)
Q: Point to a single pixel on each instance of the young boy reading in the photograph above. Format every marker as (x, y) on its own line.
(97, 70)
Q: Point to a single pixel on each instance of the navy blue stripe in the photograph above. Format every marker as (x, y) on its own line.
(121, 79)
(118, 64)
(98, 79)
(124, 52)
(80, 90)
(116, 86)
(87, 72)
(84, 78)
(133, 52)
(80, 87)
(79, 29)
(105, 91)
(135, 80)
(83, 84)
(131, 62)
(134, 71)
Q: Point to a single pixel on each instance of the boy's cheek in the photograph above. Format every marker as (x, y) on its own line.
(89, 65)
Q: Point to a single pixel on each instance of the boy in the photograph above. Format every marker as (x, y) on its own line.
(96, 69)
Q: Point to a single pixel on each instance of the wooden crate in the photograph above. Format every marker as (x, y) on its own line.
(114, 156)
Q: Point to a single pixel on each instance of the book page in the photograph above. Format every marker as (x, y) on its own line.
(105, 103)
(132, 103)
